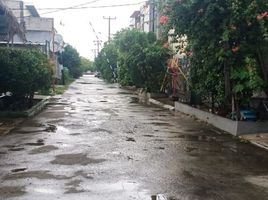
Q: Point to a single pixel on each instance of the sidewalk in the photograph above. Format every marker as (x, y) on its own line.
(259, 140)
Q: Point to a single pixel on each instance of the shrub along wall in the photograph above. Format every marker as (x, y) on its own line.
(22, 73)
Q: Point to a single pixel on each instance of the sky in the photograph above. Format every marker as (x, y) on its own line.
(74, 24)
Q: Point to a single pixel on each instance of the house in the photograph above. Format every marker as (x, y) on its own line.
(9, 25)
(146, 19)
(39, 32)
(135, 20)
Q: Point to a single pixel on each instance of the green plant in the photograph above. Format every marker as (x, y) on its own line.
(224, 36)
(71, 60)
(24, 72)
(141, 59)
(106, 62)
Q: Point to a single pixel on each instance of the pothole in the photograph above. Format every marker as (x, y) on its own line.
(75, 159)
(18, 170)
(129, 139)
(44, 149)
(17, 149)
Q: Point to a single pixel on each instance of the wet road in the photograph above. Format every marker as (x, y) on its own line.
(97, 142)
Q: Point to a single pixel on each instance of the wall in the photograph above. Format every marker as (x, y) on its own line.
(234, 127)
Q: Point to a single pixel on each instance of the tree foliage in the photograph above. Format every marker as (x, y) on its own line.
(229, 44)
(24, 72)
(71, 60)
(106, 62)
(141, 59)
(86, 65)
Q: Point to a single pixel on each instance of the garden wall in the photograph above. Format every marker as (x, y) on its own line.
(234, 127)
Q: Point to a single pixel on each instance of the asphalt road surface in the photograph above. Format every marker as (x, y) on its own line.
(97, 142)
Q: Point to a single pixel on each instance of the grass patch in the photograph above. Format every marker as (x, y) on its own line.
(60, 89)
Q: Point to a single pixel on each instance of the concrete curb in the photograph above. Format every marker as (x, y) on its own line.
(257, 144)
(263, 145)
(5, 129)
(160, 104)
(27, 113)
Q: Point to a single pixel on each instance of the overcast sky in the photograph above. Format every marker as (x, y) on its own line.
(74, 24)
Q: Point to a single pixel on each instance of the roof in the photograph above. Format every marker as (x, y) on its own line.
(32, 10)
(135, 14)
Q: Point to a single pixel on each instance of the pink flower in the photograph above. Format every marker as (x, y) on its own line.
(235, 49)
(164, 20)
(262, 15)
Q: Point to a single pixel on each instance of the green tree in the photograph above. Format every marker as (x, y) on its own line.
(86, 65)
(106, 62)
(71, 60)
(224, 36)
(141, 59)
(24, 72)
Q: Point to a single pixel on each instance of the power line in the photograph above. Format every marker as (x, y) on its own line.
(78, 7)
(72, 7)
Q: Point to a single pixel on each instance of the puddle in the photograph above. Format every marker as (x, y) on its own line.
(38, 143)
(84, 83)
(160, 123)
(75, 134)
(34, 174)
(18, 170)
(97, 130)
(130, 140)
(17, 149)
(44, 149)
(75, 159)
(161, 148)
(149, 136)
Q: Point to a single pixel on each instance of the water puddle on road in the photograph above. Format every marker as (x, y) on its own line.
(18, 170)
(75, 159)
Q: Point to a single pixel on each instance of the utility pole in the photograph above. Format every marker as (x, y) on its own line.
(95, 53)
(98, 43)
(109, 26)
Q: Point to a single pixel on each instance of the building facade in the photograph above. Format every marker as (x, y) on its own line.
(146, 19)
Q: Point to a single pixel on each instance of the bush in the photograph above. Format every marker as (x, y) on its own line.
(142, 59)
(71, 60)
(23, 72)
